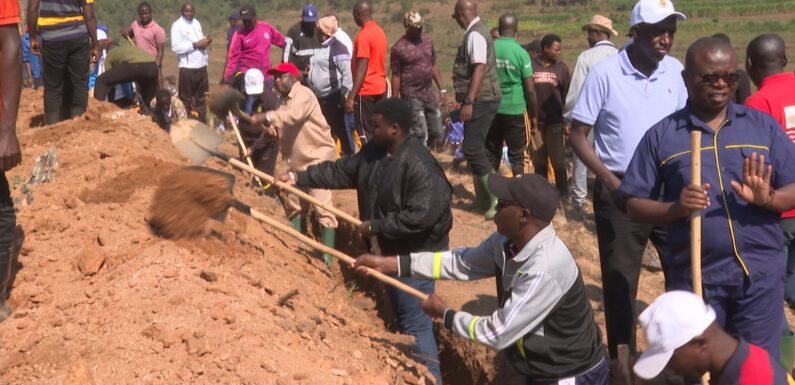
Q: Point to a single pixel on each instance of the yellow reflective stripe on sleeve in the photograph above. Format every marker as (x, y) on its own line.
(790, 381)
(726, 201)
(520, 347)
(437, 265)
(748, 146)
(472, 328)
(48, 21)
(668, 159)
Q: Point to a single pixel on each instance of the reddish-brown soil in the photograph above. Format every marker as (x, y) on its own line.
(99, 299)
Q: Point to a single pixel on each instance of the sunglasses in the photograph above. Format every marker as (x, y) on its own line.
(730, 78)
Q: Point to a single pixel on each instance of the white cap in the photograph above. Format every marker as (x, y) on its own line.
(255, 81)
(653, 12)
(671, 321)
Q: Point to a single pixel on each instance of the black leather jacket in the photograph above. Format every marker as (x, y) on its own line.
(405, 195)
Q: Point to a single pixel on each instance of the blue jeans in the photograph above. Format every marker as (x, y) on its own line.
(413, 321)
(426, 120)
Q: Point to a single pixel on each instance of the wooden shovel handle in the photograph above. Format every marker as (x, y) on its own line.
(328, 250)
(339, 213)
(242, 145)
(695, 219)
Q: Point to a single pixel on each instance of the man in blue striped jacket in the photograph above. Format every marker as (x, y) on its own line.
(68, 31)
(544, 322)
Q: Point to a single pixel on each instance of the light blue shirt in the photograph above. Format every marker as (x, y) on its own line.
(622, 104)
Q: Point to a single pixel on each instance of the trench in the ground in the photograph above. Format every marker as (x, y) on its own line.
(457, 368)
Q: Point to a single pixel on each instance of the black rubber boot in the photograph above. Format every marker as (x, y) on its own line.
(7, 227)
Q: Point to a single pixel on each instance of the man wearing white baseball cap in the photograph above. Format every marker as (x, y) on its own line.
(622, 97)
(683, 335)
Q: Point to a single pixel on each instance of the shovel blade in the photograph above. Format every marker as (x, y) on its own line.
(223, 99)
(194, 140)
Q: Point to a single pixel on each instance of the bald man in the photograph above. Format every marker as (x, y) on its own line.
(748, 174)
(766, 58)
(477, 88)
(368, 65)
(518, 96)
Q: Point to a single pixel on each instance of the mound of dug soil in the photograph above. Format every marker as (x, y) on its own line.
(99, 299)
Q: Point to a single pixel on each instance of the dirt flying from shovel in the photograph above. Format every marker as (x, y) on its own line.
(186, 199)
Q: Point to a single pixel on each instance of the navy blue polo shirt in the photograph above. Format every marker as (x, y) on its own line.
(739, 240)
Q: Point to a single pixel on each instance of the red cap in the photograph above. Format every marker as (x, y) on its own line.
(284, 68)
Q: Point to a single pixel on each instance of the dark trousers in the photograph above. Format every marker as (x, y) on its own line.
(598, 375)
(193, 86)
(621, 246)
(8, 223)
(334, 112)
(510, 130)
(143, 74)
(413, 321)
(752, 310)
(264, 155)
(65, 71)
(788, 225)
(552, 149)
(475, 132)
(363, 115)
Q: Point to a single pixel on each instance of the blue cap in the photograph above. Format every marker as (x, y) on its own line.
(235, 15)
(310, 13)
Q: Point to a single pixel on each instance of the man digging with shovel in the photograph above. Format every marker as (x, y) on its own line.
(404, 201)
(305, 139)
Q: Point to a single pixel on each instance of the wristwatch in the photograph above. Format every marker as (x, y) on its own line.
(467, 100)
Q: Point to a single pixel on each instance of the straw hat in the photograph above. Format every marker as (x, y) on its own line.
(601, 23)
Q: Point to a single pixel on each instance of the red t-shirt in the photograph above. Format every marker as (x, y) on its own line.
(9, 12)
(777, 98)
(370, 43)
(751, 365)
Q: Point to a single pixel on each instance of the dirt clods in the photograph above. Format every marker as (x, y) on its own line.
(187, 199)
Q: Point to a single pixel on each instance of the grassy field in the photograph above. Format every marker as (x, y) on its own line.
(740, 19)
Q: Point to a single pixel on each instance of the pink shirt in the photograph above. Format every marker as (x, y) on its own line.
(252, 48)
(148, 37)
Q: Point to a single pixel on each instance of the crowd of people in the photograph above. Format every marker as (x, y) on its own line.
(341, 122)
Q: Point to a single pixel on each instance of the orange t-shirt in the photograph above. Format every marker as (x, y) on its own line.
(9, 12)
(370, 44)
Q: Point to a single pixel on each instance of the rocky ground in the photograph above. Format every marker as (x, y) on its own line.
(99, 299)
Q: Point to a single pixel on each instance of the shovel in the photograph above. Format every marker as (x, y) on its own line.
(190, 189)
(198, 142)
(224, 100)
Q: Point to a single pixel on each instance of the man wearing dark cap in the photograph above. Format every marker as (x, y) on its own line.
(301, 42)
(544, 321)
(404, 201)
(251, 45)
(234, 25)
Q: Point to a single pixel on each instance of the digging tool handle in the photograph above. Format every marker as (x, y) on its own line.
(325, 249)
(695, 218)
(695, 223)
(242, 145)
(623, 359)
(238, 164)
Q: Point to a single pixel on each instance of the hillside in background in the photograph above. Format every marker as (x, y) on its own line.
(740, 19)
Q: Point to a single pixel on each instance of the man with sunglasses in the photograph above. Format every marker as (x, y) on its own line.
(544, 321)
(748, 171)
(622, 97)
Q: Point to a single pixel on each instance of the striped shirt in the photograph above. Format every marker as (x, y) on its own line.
(61, 20)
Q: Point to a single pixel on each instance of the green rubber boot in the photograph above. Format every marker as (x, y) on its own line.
(299, 223)
(480, 194)
(329, 239)
(491, 200)
(787, 352)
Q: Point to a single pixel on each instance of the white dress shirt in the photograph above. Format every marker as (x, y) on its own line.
(183, 34)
